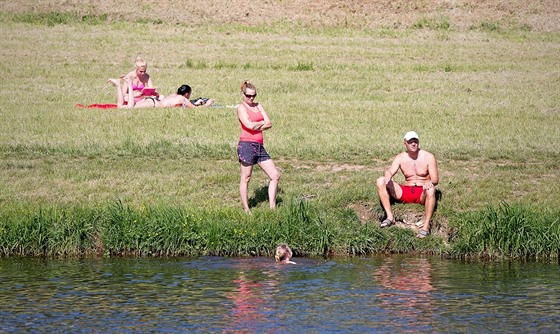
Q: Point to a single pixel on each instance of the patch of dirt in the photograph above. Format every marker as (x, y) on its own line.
(406, 216)
(538, 15)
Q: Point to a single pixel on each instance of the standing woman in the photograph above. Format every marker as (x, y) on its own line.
(140, 80)
(250, 149)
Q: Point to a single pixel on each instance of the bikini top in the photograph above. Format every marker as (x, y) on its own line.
(139, 87)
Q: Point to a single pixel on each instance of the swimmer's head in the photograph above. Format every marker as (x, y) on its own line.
(283, 253)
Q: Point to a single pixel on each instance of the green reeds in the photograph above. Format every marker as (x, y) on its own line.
(179, 231)
(48, 231)
(505, 231)
(508, 231)
(120, 230)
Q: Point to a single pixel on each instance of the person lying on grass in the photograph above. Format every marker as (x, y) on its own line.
(420, 170)
(181, 99)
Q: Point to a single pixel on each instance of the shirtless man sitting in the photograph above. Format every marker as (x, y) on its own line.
(419, 168)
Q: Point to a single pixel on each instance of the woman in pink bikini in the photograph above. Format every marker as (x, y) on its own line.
(254, 121)
(140, 80)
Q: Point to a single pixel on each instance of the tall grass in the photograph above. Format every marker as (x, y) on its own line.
(506, 231)
(510, 231)
(176, 231)
(51, 231)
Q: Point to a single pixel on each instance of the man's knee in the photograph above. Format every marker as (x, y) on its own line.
(381, 183)
(429, 197)
(431, 193)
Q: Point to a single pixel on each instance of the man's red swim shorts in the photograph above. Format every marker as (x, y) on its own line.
(411, 194)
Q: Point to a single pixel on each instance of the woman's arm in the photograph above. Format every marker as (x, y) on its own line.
(150, 84)
(267, 123)
(246, 121)
(187, 103)
(136, 93)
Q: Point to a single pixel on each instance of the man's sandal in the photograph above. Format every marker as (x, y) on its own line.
(386, 223)
(422, 234)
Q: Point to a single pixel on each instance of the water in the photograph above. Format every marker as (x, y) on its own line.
(213, 294)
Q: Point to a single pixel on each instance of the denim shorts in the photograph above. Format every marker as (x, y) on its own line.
(251, 152)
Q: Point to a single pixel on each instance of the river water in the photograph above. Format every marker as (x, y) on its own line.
(380, 294)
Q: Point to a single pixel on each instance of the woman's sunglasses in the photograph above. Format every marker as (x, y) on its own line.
(249, 96)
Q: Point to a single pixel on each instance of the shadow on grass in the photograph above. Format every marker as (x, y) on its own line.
(261, 195)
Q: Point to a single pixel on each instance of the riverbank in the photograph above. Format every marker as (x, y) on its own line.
(503, 232)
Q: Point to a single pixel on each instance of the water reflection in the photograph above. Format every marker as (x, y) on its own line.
(406, 297)
(253, 298)
(212, 294)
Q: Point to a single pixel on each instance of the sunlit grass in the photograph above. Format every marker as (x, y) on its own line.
(511, 231)
(485, 101)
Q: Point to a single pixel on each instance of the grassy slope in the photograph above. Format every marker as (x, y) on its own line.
(484, 100)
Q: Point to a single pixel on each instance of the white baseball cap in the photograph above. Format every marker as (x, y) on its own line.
(410, 135)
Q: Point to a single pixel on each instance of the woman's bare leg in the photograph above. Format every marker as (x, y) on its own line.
(274, 175)
(131, 100)
(246, 171)
(120, 97)
(117, 83)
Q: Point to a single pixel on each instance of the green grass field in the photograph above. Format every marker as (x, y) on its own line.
(484, 100)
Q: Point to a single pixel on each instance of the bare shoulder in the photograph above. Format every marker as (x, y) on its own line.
(399, 157)
(242, 111)
(427, 154)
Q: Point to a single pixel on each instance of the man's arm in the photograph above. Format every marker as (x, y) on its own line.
(393, 169)
(433, 170)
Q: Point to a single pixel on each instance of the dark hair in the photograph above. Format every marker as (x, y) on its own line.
(184, 89)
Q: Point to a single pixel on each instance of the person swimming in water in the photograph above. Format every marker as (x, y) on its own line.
(283, 254)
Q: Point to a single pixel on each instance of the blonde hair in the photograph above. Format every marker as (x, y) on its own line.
(283, 253)
(140, 62)
(247, 85)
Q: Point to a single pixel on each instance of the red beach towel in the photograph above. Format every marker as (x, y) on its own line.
(98, 106)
